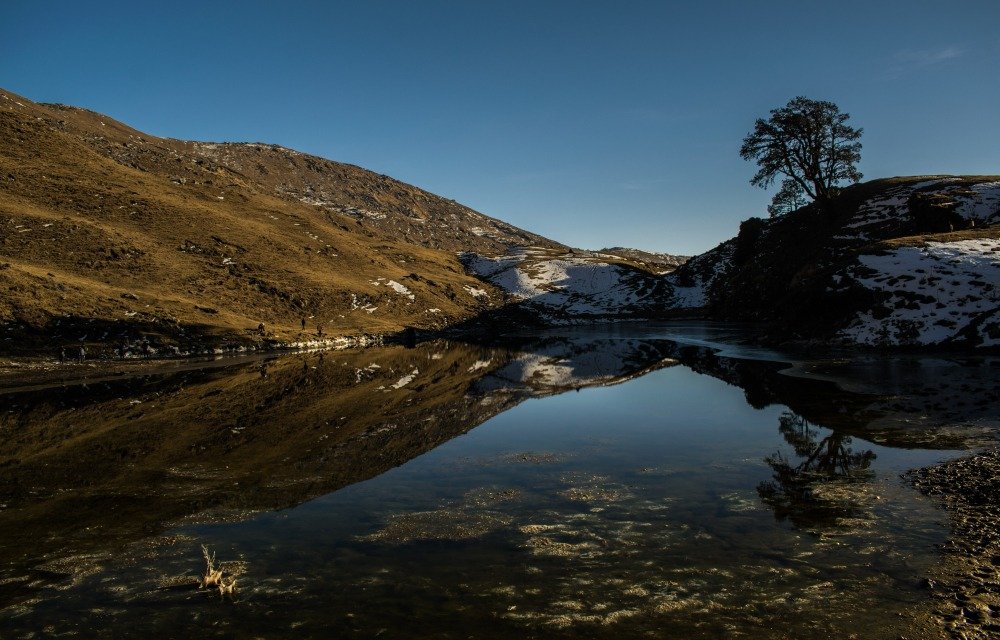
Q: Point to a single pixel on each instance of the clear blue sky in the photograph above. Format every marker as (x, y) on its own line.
(593, 123)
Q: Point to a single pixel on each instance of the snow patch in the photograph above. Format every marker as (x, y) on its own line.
(476, 292)
(573, 283)
(366, 372)
(401, 289)
(982, 204)
(929, 295)
(693, 281)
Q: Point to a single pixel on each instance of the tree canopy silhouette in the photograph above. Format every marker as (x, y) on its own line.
(807, 141)
(789, 198)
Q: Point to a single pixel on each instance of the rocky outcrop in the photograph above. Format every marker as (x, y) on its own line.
(905, 262)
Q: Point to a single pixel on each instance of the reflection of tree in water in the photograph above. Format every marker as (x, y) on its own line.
(823, 487)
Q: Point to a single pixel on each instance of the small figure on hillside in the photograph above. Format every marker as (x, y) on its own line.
(260, 329)
(146, 351)
(62, 354)
(81, 354)
(319, 330)
(303, 324)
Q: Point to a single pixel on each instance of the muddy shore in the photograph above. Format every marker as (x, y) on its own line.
(965, 588)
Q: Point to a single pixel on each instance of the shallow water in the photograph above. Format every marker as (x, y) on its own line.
(620, 483)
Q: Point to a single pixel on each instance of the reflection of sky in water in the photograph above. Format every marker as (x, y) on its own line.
(612, 511)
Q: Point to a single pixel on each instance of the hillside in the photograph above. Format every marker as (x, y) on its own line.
(126, 243)
(112, 238)
(896, 262)
(554, 286)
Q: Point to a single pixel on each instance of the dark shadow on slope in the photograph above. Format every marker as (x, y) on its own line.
(133, 338)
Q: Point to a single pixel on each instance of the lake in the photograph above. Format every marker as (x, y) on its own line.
(629, 481)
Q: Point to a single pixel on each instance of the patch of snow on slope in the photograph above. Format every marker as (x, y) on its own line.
(488, 267)
(930, 294)
(887, 205)
(366, 372)
(692, 297)
(701, 272)
(401, 289)
(570, 283)
(980, 202)
(479, 364)
(476, 292)
(982, 205)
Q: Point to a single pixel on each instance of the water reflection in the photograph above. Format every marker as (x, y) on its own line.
(820, 489)
(556, 364)
(355, 493)
(89, 466)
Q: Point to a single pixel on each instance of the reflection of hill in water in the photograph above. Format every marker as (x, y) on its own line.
(906, 402)
(557, 364)
(89, 467)
(825, 485)
(86, 469)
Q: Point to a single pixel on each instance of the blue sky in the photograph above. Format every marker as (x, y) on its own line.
(593, 123)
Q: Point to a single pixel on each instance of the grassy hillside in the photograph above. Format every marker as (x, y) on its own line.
(109, 235)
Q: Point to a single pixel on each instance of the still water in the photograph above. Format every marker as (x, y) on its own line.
(648, 481)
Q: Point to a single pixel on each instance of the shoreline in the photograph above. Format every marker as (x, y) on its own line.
(965, 586)
(24, 372)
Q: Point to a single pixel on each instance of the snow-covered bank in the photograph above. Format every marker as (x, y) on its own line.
(929, 295)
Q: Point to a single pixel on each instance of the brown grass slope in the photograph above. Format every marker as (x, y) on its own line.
(108, 234)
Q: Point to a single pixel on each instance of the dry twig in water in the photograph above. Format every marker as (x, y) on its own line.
(227, 587)
(213, 576)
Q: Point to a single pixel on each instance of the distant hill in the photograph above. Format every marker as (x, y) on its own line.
(555, 287)
(898, 262)
(111, 236)
(665, 261)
